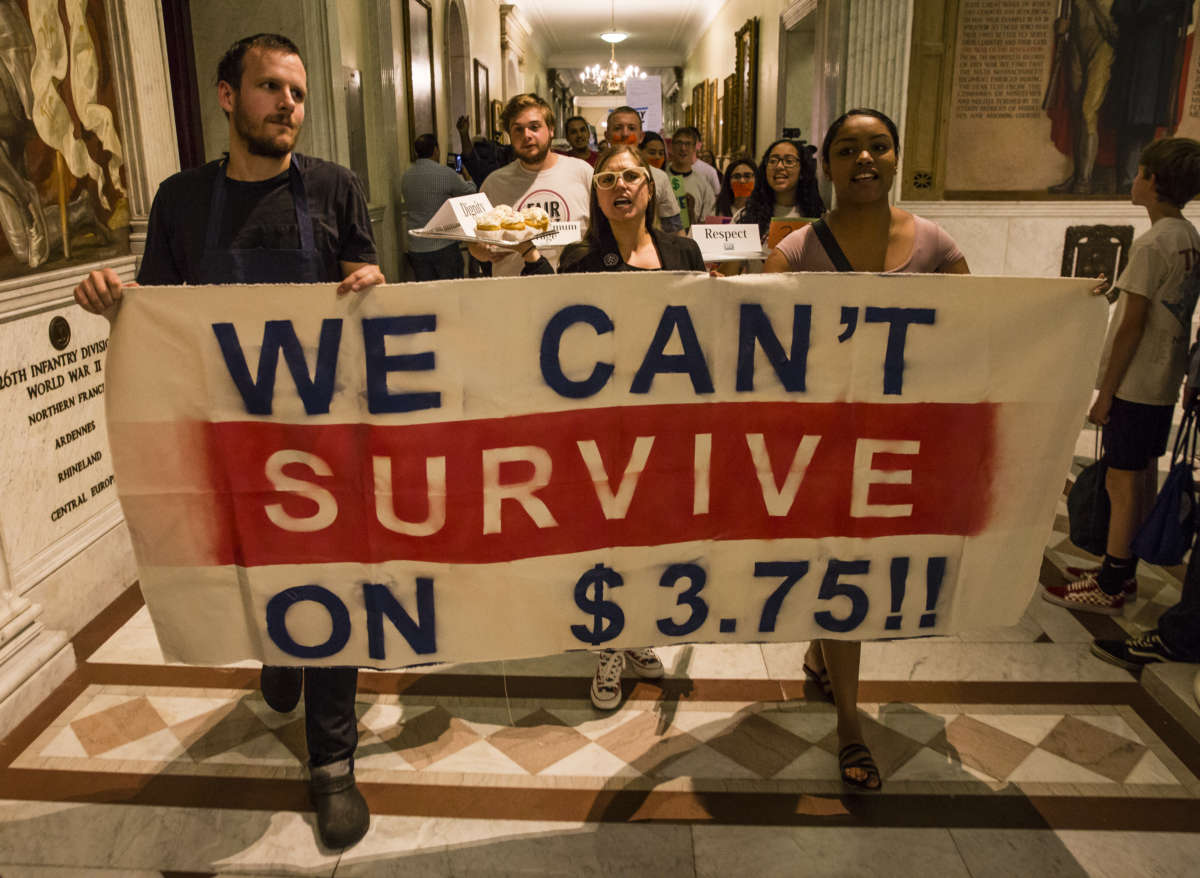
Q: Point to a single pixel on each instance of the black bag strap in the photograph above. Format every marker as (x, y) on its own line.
(829, 242)
(1185, 438)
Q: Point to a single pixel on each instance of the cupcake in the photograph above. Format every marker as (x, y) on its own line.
(536, 218)
(514, 228)
(487, 226)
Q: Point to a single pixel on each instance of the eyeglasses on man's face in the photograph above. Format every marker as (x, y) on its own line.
(788, 161)
(608, 179)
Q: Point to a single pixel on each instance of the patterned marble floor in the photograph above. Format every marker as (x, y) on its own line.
(1004, 752)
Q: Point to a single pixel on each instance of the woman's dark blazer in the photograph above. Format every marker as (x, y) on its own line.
(675, 254)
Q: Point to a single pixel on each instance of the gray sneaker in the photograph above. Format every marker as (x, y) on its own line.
(645, 663)
(606, 683)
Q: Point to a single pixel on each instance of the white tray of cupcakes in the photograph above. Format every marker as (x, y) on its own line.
(504, 225)
(500, 226)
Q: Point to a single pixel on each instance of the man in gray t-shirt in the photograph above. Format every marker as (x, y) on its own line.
(558, 184)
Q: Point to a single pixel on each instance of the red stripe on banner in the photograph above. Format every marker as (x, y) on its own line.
(949, 489)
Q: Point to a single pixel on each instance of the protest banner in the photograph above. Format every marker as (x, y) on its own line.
(492, 469)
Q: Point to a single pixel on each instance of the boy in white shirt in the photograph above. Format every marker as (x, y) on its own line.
(1144, 361)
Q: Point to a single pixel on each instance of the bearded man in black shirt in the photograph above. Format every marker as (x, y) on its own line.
(267, 215)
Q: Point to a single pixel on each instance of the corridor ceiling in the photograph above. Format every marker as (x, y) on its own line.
(661, 33)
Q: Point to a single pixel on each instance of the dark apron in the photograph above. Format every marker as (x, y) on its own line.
(261, 265)
(329, 723)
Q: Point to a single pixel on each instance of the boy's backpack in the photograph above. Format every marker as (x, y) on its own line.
(1088, 507)
(1168, 532)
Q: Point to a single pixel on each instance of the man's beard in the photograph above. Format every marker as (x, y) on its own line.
(261, 144)
(537, 158)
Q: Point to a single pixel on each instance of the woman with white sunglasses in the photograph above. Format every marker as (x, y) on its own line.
(621, 238)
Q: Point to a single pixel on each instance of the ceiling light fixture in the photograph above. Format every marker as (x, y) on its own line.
(610, 79)
(612, 35)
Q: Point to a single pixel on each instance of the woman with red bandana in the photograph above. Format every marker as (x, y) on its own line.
(654, 149)
(736, 187)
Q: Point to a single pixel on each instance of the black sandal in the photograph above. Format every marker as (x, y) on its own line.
(856, 755)
(820, 679)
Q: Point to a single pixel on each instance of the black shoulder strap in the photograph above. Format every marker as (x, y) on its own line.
(829, 242)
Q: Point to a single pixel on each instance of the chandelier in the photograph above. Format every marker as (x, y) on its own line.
(610, 79)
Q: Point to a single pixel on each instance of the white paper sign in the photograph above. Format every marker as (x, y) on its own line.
(459, 212)
(727, 241)
(564, 233)
(645, 96)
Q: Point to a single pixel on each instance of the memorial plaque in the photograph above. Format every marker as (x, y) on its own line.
(1000, 131)
(55, 472)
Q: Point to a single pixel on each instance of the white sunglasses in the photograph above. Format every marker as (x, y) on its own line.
(608, 179)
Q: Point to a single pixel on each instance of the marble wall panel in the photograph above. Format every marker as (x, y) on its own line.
(89, 581)
(55, 468)
(980, 240)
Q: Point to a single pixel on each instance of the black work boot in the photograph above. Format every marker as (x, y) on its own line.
(342, 815)
(281, 687)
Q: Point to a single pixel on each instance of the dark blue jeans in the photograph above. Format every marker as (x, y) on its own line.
(330, 723)
(444, 264)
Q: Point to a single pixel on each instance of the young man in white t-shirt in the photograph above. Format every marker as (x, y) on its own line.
(1144, 361)
(689, 185)
(558, 184)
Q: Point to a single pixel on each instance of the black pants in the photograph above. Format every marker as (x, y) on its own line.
(444, 264)
(330, 723)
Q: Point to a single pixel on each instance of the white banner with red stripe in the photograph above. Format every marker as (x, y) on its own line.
(483, 470)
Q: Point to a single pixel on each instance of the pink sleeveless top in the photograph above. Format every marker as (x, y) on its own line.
(933, 250)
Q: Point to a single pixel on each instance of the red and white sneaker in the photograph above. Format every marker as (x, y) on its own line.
(1129, 589)
(1086, 595)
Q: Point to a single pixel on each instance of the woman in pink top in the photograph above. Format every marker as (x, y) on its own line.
(863, 232)
(859, 156)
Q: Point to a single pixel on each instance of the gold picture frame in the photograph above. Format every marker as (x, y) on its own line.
(746, 73)
(730, 117)
(419, 95)
(498, 132)
(712, 125)
(700, 106)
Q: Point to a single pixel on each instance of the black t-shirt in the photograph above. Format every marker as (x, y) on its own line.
(259, 214)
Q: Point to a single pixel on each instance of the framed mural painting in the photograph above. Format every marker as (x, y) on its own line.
(1011, 101)
(63, 181)
(483, 100)
(418, 55)
(746, 72)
